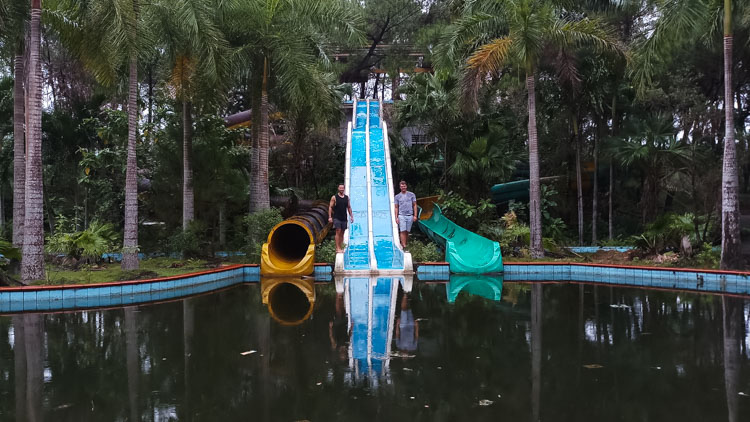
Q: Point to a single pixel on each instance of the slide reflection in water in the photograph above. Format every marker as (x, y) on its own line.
(289, 300)
(487, 286)
(370, 304)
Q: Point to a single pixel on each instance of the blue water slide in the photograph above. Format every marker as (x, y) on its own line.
(372, 240)
(357, 254)
(388, 253)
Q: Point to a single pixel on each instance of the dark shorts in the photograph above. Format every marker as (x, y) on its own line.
(338, 224)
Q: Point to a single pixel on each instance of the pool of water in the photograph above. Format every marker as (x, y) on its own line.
(525, 352)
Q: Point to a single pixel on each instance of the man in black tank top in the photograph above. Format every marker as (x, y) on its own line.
(337, 209)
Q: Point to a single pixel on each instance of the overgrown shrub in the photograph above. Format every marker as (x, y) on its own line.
(465, 214)
(326, 252)
(258, 225)
(188, 242)
(552, 227)
(516, 235)
(424, 251)
(706, 257)
(90, 244)
(666, 233)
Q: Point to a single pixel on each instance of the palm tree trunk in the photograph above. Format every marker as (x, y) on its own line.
(130, 241)
(32, 264)
(394, 85)
(150, 102)
(188, 197)
(535, 201)
(610, 217)
(595, 188)
(254, 153)
(19, 149)
(260, 200)
(222, 223)
(2, 210)
(731, 257)
(579, 184)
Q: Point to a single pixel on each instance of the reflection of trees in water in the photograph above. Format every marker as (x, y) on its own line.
(536, 350)
(734, 333)
(132, 360)
(96, 358)
(19, 356)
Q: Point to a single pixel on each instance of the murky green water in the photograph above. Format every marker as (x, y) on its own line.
(553, 352)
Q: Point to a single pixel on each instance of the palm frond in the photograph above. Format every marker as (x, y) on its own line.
(491, 57)
(678, 19)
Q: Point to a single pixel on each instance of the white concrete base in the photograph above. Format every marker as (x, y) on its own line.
(408, 264)
(338, 266)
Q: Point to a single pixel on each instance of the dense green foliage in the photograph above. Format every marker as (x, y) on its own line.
(628, 104)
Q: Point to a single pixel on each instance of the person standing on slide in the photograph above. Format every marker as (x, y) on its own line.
(337, 210)
(406, 212)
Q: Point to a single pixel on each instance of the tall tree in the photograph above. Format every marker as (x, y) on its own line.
(130, 238)
(107, 37)
(731, 251)
(13, 20)
(32, 262)
(197, 49)
(285, 41)
(683, 21)
(503, 33)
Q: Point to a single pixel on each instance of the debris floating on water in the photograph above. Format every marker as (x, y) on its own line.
(743, 394)
(249, 352)
(593, 366)
(621, 306)
(402, 355)
(485, 402)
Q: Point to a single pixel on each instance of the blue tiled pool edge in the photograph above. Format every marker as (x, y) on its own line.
(104, 295)
(710, 281)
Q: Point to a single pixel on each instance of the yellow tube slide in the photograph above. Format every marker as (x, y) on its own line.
(290, 250)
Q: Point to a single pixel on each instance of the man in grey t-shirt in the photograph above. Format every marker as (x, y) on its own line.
(406, 212)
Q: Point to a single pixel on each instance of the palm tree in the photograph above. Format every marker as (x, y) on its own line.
(431, 105)
(193, 41)
(13, 18)
(130, 234)
(284, 42)
(32, 262)
(651, 146)
(503, 33)
(82, 27)
(684, 21)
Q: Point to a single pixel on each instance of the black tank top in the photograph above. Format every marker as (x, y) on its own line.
(339, 210)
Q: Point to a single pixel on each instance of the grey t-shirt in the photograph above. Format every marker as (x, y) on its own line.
(405, 203)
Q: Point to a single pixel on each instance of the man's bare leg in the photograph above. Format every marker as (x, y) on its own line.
(404, 238)
(339, 240)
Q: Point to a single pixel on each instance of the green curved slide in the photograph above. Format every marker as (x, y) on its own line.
(504, 192)
(465, 251)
